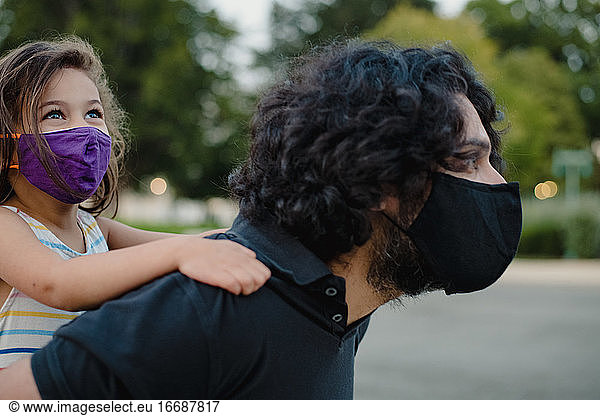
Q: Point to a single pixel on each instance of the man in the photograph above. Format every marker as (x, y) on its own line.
(372, 175)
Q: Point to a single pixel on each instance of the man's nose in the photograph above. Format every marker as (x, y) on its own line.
(491, 176)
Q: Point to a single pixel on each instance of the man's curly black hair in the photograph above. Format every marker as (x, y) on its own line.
(351, 119)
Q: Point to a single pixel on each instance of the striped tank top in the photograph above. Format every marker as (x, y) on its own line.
(27, 325)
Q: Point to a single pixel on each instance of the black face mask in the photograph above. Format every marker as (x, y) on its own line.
(468, 232)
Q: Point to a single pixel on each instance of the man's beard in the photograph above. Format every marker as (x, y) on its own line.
(397, 267)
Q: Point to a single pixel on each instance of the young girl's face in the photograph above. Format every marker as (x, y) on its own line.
(71, 99)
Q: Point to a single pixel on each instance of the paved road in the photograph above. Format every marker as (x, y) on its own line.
(533, 335)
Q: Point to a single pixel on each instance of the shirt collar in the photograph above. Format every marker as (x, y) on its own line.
(279, 250)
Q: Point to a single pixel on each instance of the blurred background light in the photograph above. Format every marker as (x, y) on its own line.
(158, 186)
(545, 190)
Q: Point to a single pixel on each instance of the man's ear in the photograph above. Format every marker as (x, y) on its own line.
(389, 199)
(379, 207)
(386, 203)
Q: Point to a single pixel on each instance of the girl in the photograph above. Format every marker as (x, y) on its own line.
(61, 144)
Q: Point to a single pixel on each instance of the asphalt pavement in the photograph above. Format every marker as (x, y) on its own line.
(535, 334)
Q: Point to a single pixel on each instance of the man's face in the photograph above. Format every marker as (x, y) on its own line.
(397, 267)
(471, 161)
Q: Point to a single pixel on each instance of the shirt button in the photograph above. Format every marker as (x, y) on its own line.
(337, 317)
(331, 291)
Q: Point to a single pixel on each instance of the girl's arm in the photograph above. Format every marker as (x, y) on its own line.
(17, 382)
(119, 235)
(87, 281)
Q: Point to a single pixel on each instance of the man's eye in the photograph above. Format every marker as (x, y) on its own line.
(462, 161)
(468, 155)
(472, 163)
(54, 114)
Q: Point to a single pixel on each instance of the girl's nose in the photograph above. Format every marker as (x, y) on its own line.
(78, 122)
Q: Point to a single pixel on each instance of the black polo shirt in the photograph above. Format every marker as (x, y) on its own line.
(177, 338)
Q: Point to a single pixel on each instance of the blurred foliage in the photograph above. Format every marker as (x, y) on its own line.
(556, 228)
(314, 22)
(567, 30)
(541, 113)
(174, 228)
(583, 234)
(542, 238)
(165, 59)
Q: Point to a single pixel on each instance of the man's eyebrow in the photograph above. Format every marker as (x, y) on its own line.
(475, 141)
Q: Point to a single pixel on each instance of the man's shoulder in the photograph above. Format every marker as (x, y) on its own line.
(177, 302)
(186, 298)
(176, 323)
(207, 342)
(169, 295)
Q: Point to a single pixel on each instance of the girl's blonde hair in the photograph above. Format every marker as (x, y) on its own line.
(24, 75)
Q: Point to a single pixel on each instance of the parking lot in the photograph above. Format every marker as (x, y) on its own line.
(533, 335)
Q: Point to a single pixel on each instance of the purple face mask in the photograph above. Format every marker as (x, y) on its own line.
(82, 159)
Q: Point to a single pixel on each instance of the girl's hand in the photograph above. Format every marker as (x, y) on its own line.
(211, 232)
(222, 263)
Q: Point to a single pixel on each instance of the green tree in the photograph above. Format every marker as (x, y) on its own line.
(165, 59)
(314, 22)
(567, 30)
(541, 114)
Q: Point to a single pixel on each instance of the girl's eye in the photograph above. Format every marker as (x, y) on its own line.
(54, 114)
(94, 114)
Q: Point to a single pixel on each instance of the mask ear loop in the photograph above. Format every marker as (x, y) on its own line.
(12, 136)
(394, 222)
